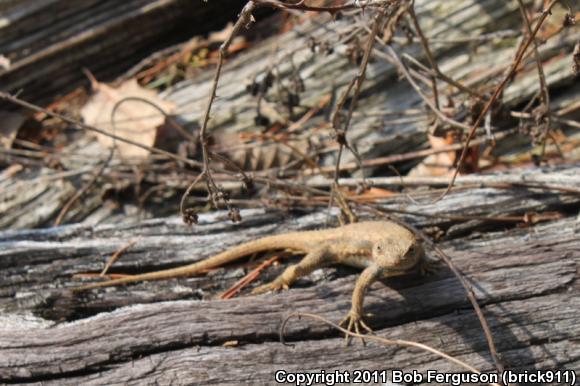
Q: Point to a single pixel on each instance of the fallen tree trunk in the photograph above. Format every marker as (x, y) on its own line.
(524, 278)
(49, 42)
(514, 235)
(375, 131)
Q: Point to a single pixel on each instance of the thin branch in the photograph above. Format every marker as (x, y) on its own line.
(437, 72)
(392, 56)
(115, 256)
(428, 53)
(341, 128)
(301, 6)
(17, 101)
(378, 161)
(244, 20)
(66, 207)
(184, 133)
(496, 94)
(395, 342)
(545, 113)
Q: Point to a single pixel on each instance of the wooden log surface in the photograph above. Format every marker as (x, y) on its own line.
(372, 131)
(174, 331)
(49, 42)
(330, 74)
(517, 244)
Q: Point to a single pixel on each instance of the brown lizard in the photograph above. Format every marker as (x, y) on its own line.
(382, 249)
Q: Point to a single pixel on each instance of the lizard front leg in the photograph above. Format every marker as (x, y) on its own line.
(354, 319)
(309, 263)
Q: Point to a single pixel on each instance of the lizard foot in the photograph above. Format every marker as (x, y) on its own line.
(430, 267)
(275, 286)
(353, 322)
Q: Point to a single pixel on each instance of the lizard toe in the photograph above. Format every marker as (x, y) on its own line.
(354, 323)
(262, 289)
(274, 286)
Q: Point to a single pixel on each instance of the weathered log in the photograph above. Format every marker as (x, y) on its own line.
(35, 251)
(534, 332)
(50, 42)
(525, 279)
(524, 274)
(372, 132)
(235, 109)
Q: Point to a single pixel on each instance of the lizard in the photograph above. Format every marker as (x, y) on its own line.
(381, 249)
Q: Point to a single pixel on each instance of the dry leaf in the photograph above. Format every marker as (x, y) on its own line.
(440, 164)
(371, 194)
(4, 63)
(443, 164)
(10, 123)
(134, 119)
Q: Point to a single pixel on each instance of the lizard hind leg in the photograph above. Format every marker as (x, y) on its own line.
(312, 261)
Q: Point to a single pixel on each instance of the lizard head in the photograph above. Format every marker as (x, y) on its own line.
(402, 253)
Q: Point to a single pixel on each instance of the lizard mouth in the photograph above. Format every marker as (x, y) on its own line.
(409, 263)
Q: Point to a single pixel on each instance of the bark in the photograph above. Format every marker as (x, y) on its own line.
(372, 132)
(515, 235)
(50, 42)
(525, 278)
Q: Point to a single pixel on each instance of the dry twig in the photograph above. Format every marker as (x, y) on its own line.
(396, 342)
(498, 90)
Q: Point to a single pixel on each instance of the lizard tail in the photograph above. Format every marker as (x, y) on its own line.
(158, 275)
(276, 242)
